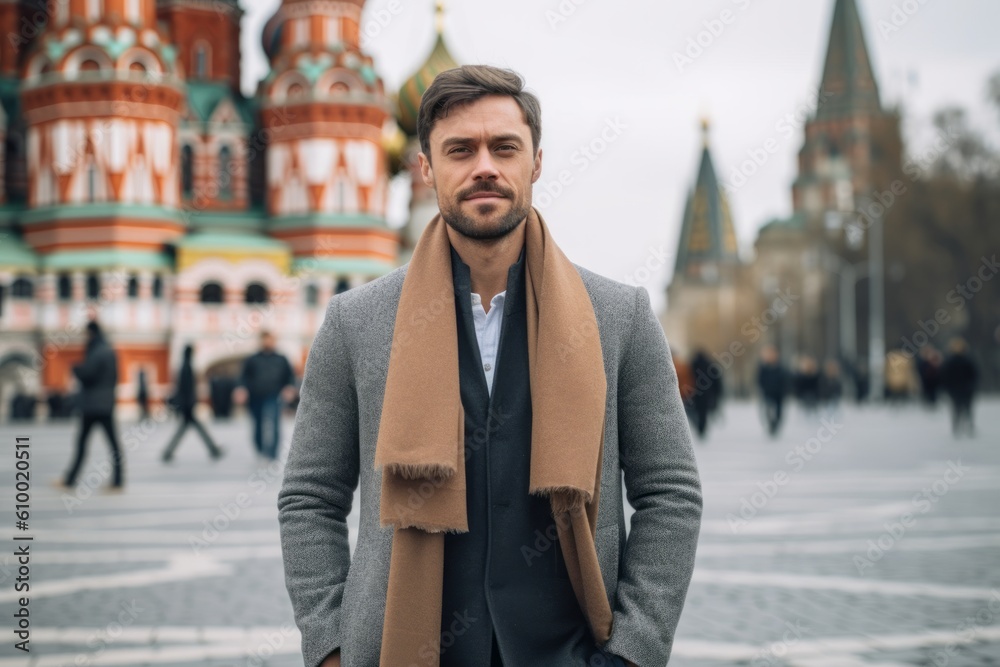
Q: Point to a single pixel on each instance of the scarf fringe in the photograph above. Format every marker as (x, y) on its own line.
(432, 472)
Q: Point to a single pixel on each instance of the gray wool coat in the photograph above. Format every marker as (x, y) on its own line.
(339, 602)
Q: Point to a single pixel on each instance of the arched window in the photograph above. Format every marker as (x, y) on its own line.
(22, 288)
(343, 285)
(93, 286)
(225, 173)
(211, 293)
(64, 287)
(187, 170)
(90, 65)
(133, 287)
(157, 286)
(312, 295)
(256, 293)
(201, 53)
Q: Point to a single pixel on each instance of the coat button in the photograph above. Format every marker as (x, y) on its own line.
(487, 367)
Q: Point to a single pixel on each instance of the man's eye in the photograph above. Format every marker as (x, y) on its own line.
(507, 148)
(458, 149)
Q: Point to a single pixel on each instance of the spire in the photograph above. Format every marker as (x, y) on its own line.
(849, 85)
(708, 239)
(439, 60)
(439, 17)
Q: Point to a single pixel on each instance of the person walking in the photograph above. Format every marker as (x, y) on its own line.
(98, 377)
(959, 377)
(184, 400)
(772, 379)
(705, 398)
(142, 395)
(267, 378)
(486, 398)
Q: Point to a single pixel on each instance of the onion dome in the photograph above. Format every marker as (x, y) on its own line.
(412, 91)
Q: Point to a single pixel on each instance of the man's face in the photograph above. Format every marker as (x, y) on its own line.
(483, 167)
(267, 342)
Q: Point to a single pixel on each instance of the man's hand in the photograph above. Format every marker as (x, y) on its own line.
(288, 393)
(240, 395)
(332, 660)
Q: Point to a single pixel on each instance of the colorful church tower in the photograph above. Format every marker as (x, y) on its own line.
(101, 97)
(325, 112)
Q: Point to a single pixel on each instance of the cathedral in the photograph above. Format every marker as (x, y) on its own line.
(806, 289)
(138, 183)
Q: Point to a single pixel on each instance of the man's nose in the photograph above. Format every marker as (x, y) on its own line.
(486, 168)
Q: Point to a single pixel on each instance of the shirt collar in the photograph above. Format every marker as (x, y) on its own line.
(462, 278)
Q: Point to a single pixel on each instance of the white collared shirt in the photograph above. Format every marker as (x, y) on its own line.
(488, 332)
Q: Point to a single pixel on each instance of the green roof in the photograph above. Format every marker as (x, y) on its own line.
(204, 97)
(100, 259)
(15, 253)
(229, 240)
(340, 267)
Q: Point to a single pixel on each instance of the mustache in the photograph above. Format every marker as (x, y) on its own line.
(485, 187)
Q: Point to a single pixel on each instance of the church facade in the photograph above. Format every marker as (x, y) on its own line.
(141, 186)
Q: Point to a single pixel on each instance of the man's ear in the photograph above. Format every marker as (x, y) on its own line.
(536, 170)
(426, 171)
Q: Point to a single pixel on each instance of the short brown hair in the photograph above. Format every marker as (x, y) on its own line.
(468, 83)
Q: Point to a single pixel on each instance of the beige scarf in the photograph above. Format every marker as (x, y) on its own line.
(421, 439)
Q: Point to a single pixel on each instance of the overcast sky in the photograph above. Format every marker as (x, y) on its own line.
(611, 68)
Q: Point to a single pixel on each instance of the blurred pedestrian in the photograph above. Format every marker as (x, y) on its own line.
(184, 400)
(959, 377)
(267, 378)
(831, 386)
(98, 376)
(807, 383)
(929, 372)
(772, 378)
(705, 396)
(142, 396)
(862, 382)
(900, 376)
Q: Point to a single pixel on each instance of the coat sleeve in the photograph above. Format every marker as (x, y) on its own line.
(662, 485)
(317, 490)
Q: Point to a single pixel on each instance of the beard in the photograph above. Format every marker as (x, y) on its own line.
(489, 224)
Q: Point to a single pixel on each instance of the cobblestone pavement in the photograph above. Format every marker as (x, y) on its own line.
(869, 538)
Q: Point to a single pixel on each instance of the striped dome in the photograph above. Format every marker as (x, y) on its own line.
(412, 91)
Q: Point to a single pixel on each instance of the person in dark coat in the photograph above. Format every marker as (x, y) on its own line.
(807, 383)
(267, 378)
(929, 371)
(98, 376)
(959, 376)
(142, 395)
(772, 378)
(831, 387)
(184, 400)
(705, 398)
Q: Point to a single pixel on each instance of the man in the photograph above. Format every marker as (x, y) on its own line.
(489, 395)
(98, 376)
(959, 376)
(267, 377)
(772, 378)
(184, 400)
(707, 390)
